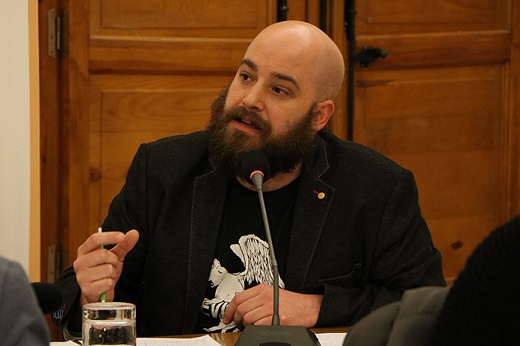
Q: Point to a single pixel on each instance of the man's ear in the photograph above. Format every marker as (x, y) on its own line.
(324, 111)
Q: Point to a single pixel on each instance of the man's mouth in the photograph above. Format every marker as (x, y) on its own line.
(247, 122)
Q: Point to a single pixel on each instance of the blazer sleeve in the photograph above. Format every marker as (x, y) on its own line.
(127, 211)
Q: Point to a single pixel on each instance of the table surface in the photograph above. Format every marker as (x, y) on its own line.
(230, 339)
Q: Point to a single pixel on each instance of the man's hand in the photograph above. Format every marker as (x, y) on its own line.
(255, 306)
(97, 270)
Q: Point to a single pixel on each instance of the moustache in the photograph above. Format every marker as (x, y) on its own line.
(248, 117)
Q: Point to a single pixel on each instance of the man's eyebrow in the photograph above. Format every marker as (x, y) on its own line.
(281, 76)
(287, 78)
(249, 63)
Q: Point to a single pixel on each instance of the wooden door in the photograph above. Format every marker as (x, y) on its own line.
(443, 103)
(135, 71)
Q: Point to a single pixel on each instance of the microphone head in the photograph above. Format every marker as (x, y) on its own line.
(50, 296)
(255, 161)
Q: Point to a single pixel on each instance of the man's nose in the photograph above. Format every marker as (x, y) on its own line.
(254, 99)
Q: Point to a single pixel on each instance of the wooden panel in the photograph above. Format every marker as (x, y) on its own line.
(179, 14)
(74, 141)
(168, 55)
(174, 36)
(461, 48)
(127, 110)
(181, 18)
(174, 111)
(432, 110)
(447, 125)
(457, 184)
(416, 16)
(456, 239)
(426, 12)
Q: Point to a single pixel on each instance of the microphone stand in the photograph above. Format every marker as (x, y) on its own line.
(257, 180)
(274, 335)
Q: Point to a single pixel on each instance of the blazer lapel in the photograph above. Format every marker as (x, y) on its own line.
(312, 206)
(208, 204)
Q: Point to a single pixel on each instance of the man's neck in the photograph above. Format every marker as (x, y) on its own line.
(281, 180)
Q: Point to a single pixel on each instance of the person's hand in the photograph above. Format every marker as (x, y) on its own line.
(255, 306)
(97, 270)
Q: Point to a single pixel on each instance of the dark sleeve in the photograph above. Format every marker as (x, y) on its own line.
(483, 306)
(68, 318)
(402, 256)
(127, 211)
(21, 320)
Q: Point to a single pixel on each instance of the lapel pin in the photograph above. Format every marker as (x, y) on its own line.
(321, 195)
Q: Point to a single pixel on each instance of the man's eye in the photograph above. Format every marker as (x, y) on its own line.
(278, 90)
(245, 76)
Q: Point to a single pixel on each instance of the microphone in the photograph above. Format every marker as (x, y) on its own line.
(255, 165)
(255, 168)
(49, 296)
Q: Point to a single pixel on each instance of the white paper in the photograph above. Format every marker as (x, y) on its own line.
(326, 339)
(331, 339)
(205, 340)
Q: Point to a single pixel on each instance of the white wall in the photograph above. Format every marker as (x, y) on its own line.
(15, 128)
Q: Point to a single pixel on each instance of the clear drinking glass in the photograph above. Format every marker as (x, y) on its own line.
(109, 323)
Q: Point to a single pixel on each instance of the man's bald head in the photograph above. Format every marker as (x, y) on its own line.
(312, 46)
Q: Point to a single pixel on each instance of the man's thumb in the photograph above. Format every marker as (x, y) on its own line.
(127, 244)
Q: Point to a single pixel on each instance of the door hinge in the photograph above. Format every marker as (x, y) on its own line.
(281, 10)
(55, 33)
(54, 262)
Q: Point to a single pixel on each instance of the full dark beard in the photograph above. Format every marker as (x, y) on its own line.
(228, 146)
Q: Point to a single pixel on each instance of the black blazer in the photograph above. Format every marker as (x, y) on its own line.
(360, 246)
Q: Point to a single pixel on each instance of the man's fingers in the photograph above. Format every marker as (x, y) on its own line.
(229, 314)
(92, 291)
(126, 244)
(251, 302)
(97, 239)
(98, 269)
(98, 272)
(95, 258)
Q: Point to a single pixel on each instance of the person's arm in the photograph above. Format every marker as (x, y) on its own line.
(403, 257)
(95, 271)
(68, 318)
(21, 320)
(125, 213)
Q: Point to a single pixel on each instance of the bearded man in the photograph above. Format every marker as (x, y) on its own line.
(345, 220)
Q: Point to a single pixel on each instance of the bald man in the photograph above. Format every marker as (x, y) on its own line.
(345, 220)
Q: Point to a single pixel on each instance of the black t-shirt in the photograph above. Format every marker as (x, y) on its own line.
(242, 256)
